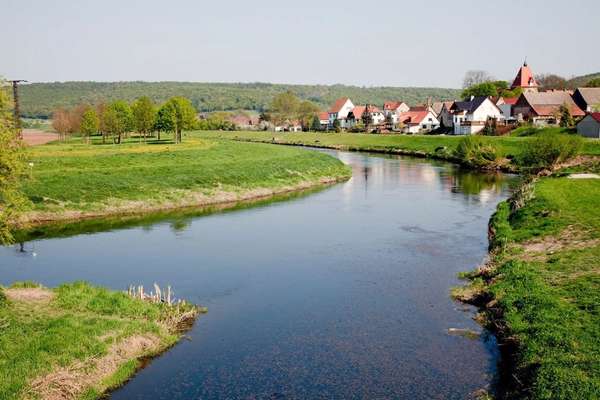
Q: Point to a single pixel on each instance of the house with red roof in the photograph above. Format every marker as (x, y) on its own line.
(418, 121)
(391, 109)
(525, 80)
(376, 116)
(590, 126)
(340, 110)
(324, 119)
(543, 108)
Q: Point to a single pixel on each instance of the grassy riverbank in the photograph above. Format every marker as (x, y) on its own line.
(78, 341)
(419, 145)
(541, 290)
(74, 180)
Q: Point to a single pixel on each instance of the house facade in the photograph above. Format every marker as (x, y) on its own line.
(391, 110)
(418, 121)
(506, 107)
(588, 99)
(324, 120)
(543, 108)
(445, 117)
(590, 126)
(340, 110)
(470, 117)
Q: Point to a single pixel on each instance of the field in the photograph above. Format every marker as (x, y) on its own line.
(425, 144)
(97, 179)
(77, 341)
(544, 289)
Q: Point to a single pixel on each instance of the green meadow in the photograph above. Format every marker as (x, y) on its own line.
(96, 177)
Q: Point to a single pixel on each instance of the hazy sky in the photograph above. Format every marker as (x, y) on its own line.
(370, 43)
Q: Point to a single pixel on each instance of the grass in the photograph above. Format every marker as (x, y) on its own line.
(76, 323)
(506, 146)
(77, 176)
(546, 289)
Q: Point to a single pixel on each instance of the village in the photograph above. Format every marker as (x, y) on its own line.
(493, 115)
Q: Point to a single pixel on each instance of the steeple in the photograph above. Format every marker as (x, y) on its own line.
(525, 79)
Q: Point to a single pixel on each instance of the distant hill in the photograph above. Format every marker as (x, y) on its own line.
(580, 81)
(40, 99)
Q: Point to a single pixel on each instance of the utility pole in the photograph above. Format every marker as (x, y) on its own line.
(17, 111)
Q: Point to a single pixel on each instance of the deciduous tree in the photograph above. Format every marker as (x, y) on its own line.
(284, 107)
(476, 77)
(551, 82)
(593, 83)
(12, 170)
(566, 119)
(89, 123)
(178, 115)
(118, 120)
(144, 113)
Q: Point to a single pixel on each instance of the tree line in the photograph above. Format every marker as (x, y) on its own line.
(117, 119)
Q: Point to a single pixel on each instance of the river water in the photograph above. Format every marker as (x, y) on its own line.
(339, 294)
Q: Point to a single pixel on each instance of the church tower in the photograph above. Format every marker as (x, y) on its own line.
(525, 79)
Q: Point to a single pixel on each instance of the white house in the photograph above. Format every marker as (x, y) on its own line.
(418, 121)
(590, 126)
(340, 110)
(470, 116)
(357, 114)
(394, 108)
(324, 120)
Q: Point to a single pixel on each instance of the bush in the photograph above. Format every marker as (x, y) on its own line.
(548, 149)
(472, 150)
(3, 299)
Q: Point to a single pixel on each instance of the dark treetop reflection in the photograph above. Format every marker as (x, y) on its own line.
(341, 294)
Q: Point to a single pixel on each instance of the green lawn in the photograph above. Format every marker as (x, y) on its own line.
(506, 145)
(43, 331)
(77, 176)
(547, 288)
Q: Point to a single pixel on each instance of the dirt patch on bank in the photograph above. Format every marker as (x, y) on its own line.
(37, 295)
(72, 381)
(569, 239)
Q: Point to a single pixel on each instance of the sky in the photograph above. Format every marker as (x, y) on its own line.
(366, 43)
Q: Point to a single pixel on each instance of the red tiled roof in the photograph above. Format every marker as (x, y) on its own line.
(524, 78)
(337, 106)
(392, 105)
(412, 117)
(510, 100)
(358, 111)
(419, 108)
(323, 116)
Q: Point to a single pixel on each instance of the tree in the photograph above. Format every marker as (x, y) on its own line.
(118, 119)
(593, 83)
(315, 124)
(476, 77)
(61, 123)
(551, 82)
(566, 119)
(144, 115)
(178, 115)
(100, 111)
(307, 110)
(12, 169)
(284, 107)
(89, 123)
(484, 89)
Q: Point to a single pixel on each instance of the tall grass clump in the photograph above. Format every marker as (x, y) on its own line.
(474, 151)
(549, 149)
(3, 299)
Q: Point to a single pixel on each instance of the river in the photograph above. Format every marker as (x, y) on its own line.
(339, 294)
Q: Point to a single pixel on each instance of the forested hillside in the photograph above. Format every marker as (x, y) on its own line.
(40, 99)
(583, 80)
